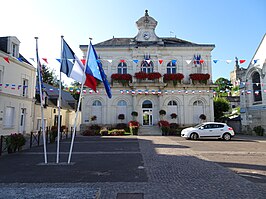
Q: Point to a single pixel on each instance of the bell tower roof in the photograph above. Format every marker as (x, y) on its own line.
(146, 22)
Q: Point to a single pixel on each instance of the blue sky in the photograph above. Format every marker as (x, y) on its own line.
(236, 27)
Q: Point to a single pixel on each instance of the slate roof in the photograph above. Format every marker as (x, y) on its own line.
(67, 102)
(131, 42)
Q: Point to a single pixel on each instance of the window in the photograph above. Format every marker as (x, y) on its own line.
(122, 68)
(147, 104)
(9, 117)
(171, 67)
(96, 103)
(25, 88)
(122, 103)
(14, 50)
(147, 67)
(256, 87)
(1, 76)
(96, 111)
(172, 103)
(198, 109)
(198, 103)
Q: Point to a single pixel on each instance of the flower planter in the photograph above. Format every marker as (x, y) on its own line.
(134, 131)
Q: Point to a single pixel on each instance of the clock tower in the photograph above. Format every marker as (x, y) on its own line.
(146, 26)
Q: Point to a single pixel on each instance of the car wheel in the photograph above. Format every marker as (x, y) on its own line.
(194, 136)
(227, 137)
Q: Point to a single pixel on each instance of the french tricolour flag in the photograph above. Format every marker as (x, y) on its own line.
(73, 67)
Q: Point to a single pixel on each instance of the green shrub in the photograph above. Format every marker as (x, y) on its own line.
(14, 142)
(259, 130)
(121, 126)
(165, 130)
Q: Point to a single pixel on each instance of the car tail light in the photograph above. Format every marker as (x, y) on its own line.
(230, 128)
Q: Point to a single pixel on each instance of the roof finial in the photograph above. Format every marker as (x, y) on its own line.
(146, 13)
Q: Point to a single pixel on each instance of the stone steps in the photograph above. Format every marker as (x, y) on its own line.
(150, 130)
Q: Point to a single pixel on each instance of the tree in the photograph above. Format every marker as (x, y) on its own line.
(48, 76)
(221, 105)
(76, 86)
(224, 85)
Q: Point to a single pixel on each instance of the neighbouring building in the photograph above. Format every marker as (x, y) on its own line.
(148, 74)
(67, 111)
(253, 91)
(17, 89)
(237, 75)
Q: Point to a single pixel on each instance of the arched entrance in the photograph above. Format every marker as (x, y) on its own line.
(147, 113)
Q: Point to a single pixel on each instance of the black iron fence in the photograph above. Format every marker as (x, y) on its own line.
(36, 139)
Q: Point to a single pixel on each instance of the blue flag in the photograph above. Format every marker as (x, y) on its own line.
(95, 66)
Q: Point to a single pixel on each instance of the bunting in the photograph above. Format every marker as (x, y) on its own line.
(196, 60)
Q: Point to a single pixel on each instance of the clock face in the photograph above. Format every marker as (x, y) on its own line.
(146, 35)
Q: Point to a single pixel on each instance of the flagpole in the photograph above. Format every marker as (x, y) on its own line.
(76, 117)
(41, 99)
(59, 109)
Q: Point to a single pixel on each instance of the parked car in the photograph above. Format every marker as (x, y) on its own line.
(208, 130)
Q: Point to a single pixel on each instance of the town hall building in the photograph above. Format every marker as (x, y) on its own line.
(149, 73)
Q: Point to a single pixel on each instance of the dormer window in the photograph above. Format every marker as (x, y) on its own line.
(14, 50)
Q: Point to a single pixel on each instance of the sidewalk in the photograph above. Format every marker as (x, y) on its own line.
(120, 167)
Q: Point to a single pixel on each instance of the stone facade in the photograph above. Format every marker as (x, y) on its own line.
(253, 95)
(149, 53)
(17, 90)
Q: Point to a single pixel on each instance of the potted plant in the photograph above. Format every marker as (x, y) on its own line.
(162, 113)
(173, 116)
(121, 78)
(165, 126)
(121, 116)
(201, 78)
(93, 118)
(141, 75)
(134, 114)
(176, 78)
(14, 142)
(133, 127)
(259, 130)
(154, 75)
(202, 117)
(53, 134)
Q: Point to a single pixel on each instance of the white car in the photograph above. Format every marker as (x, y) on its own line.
(209, 130)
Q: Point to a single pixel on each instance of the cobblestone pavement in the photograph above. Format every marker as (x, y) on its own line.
(175, 168)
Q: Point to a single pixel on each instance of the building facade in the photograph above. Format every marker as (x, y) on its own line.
(50, 111)
(253, 91)
(17, 89)
(148, 74)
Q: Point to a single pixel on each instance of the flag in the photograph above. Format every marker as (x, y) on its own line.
(94, 65)
(40, 78)
(75, 69)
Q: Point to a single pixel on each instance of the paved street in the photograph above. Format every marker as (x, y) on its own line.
(139, 167)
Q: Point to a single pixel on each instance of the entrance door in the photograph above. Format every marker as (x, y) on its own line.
(147, 117)
(22, 120)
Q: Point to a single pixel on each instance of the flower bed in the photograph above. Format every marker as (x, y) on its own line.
(202, 78)
(153, 76)
(141, 75)
(173, 77)
(149, 76)
(122, 78)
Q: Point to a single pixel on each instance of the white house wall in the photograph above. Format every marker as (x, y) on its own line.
(14, 73)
